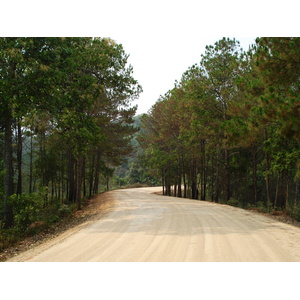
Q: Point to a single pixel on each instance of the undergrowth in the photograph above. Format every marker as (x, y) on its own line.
(31, 216)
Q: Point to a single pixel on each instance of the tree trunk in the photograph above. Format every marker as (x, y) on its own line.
(184, 178)
(227, 175)
(287, 203)
(163, 182)
(194, 180)
(205, 181)
(277, 190)
(107, 183)
(268, 163)
(96, 174)
(30, 164)
(254, 176)
(71, 176)
(19, 158)
(268, 180)
(203, 172)
(84, 176)
(217, 189)
(175, 190)
(91, 179)
(297, 193)
(167, 183)
(8, 170)
(179, 174)
(79, 181)
(212, 184)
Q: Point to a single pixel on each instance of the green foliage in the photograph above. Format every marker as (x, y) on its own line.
(32, 217)
(27, 209)
(296, 213)
(233, 202)
(64, 211)
(8, 237)
(262, 206)
(230, 128)
(72, 97)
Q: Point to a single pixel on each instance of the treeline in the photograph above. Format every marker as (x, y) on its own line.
(229, 131)
(134, 172)
(65, 122)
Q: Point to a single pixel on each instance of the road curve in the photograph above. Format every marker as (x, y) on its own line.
(146, 227)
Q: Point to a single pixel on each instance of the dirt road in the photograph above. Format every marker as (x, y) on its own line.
(148, 227)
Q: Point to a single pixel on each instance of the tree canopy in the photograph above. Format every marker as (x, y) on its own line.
(66, 117)
(229, 130)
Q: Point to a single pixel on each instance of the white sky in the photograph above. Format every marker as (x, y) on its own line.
(169, 61)
(163, 38)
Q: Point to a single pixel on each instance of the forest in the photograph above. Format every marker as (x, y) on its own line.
(228, 131)
(66, 121)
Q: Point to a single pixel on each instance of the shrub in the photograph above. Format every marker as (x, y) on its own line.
(262, 207)
(136, 185)
(64, 211)
(55, 213)
(8, 237)
(233, 202)
(27, 209)
(296, 213)
(36, 227)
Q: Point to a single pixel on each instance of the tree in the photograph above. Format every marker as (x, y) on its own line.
(278, 60)
(77, 90)
(11, 70)
(222, 65)
(225, 129)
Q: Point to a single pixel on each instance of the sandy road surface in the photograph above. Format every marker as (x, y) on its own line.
(148, 227)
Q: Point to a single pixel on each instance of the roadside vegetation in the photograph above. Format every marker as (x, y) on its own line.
(66, 122)
(229, 130)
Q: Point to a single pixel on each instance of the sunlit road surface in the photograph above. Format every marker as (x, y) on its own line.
(146, 227)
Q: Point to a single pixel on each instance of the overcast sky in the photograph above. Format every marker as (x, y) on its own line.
(157, 68)
(163, 38)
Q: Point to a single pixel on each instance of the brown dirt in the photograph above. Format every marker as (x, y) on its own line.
(93, 209)
(144, 227)
(280, 216)
(98, 208)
